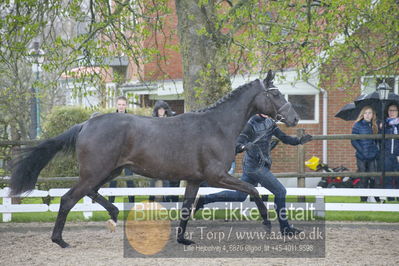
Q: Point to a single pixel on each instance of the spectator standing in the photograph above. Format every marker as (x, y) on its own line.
(162, 109)
(121, 104)
(366, 149)
(391, 151)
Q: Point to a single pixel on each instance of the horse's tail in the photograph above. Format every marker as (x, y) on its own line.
(31, 160)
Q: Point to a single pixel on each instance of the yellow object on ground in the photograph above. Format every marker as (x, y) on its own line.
(313, 162)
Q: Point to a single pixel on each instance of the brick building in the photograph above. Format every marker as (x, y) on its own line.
(315, 101)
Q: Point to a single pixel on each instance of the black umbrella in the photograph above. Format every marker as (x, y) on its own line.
(351, 110)
(373, 100)
(348, 112)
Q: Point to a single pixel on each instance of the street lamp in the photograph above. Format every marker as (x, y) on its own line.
(36, 57)
(383, 91)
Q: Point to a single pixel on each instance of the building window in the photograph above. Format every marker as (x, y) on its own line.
(305, 106)
(134, 8)
(370, 83)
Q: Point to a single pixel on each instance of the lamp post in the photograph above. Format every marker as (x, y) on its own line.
(36, 56)
(383, 91)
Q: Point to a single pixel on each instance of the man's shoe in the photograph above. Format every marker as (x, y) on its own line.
(290, 230)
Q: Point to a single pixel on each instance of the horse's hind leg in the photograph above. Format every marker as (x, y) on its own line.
(67, 202)
(189, 196)
(111, 208)
(89, 183)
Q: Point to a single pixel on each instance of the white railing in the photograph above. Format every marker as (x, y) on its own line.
(87, 207)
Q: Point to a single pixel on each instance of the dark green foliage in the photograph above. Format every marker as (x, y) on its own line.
(59, 120)
(63, 117)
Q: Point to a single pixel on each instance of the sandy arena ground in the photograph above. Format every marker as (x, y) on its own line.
(347, 243)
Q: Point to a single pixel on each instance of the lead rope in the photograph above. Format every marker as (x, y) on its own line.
(395, 131)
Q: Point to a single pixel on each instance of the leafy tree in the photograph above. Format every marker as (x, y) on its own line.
(21, 23)
(349, 39)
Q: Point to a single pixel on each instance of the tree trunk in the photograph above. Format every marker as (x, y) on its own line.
(204, 52)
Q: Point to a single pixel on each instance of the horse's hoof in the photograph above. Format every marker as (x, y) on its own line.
(111, 225)
(268, 226)
(185, 241)
(61, 243)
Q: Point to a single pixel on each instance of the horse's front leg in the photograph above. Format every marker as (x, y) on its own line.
(189, 196)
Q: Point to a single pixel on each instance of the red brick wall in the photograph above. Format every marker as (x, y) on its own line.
(168, 64)
(340, 152)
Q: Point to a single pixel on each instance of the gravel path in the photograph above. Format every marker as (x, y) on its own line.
(347, 243)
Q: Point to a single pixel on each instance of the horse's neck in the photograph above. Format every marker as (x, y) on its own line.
(235, 113)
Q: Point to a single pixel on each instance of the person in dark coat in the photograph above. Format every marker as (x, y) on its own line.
(162, 109)
(391, 152)
(255, 140)
(366, 149)
(121, 104)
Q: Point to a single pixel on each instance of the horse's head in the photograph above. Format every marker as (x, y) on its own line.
(272, 103)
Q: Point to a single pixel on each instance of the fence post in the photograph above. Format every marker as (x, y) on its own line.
(88, 201)
(158, 183)
(301, 163)
(320, 204)
(7, 215)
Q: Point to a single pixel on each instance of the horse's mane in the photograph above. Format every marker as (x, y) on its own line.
(232, 94)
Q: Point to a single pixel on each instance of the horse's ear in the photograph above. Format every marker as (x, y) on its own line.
(268, 81)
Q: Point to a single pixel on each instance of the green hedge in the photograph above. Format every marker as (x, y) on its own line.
(59, 120)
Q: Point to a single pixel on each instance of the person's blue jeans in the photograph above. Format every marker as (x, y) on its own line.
(368, 182)
(255, 175)
(232, 168)
(391, 164)
(129, 183)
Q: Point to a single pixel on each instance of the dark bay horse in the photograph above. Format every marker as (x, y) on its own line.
(195, 146)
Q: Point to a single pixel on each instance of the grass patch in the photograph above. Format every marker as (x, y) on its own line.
(44, 217)
(387, 217)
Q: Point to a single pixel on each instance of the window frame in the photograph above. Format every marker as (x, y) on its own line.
(316, 119)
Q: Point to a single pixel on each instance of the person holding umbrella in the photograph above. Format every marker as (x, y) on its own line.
(391, 147)
(366, 149)
(378, 99)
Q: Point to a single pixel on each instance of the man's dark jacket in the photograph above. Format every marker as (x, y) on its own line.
(260, 130)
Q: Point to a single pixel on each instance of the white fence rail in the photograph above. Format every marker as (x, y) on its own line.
(87, 207)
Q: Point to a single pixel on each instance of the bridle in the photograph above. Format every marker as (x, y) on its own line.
(285, 107)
